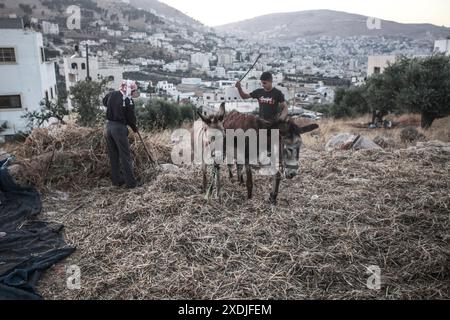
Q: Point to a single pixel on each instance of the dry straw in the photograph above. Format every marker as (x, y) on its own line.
(346, 211)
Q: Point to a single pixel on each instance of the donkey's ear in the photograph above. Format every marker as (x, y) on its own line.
(205, 120)
(221, 113)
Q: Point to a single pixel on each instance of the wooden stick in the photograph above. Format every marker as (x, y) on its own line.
(146, 150)
(251, 68)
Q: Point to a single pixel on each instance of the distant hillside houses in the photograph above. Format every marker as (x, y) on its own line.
(442, 46)
(50, 28)
(177, 65)
(75, 69)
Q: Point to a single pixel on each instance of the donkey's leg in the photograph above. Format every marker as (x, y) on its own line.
(230, 171)
(240, 173)
(248, 173)
(275, 188)
(217, 182)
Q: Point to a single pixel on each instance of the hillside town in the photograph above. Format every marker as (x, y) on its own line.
(231, 168)
(183, 63)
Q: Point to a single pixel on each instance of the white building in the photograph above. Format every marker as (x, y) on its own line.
(192, 81)
(178, 65)
(138, 35)
(225, 58)
(26, 77)
(166, 87)
(114, 33)
(50, 28)
(75, 70)
(442, 46)
(201, 60)
(219, 72)
(377, 64)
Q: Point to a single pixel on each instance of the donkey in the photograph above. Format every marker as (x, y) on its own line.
(289, 141)
(202, 136)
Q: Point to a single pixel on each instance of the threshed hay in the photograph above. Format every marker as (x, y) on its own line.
(71, 157)
(346, 211)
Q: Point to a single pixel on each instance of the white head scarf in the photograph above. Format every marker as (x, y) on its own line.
(126, 88)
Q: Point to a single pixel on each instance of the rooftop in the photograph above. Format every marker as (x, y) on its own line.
(11, 23)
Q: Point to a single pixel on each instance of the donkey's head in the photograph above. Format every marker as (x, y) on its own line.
(212, 126)
(292, 143)
(214, 121)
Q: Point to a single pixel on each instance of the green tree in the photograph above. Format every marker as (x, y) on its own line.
(187, 112)
(427, 88)
(349, 103)
(86, 96)
(419, 85)
(48, 110)
(324, 109)
(160, 114)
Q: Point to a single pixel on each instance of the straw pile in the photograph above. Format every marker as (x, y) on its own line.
(346, 211)
(74, 157)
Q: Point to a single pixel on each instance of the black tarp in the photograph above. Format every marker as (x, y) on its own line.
(27, 246)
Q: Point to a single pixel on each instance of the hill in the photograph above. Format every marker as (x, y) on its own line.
(287, 27)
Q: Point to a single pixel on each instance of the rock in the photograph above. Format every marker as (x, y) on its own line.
(411, 134)
(347, 141)
(364, 143)
(384, 142)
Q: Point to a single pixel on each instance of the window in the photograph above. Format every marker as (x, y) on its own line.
(42, 55)
(56, 90)
(83, 66)
(7, 55)
(46, 95)
(10, 102)
(111, 78)
(51, 93)
(377, 70)
(74, 65)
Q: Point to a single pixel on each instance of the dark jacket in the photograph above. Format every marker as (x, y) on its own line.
(115, 111)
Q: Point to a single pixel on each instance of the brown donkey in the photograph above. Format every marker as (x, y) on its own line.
(289, 141)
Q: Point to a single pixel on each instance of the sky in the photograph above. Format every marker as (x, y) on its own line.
(218, 12)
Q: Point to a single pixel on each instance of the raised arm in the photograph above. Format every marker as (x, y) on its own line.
(241, 92)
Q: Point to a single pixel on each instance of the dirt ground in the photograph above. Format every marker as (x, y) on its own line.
(345, 212)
